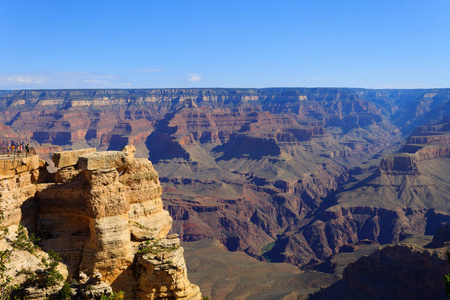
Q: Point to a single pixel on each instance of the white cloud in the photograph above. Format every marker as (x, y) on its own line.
(60, 80)
(194, 78)
(12, 79)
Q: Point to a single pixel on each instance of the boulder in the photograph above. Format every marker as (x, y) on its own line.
(104, 160)
(69, 158)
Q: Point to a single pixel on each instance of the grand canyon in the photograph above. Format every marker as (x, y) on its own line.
(318, 193)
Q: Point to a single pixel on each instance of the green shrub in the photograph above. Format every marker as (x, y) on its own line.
(53, 276)
(113, 296)
(151, 246)
(65, 292)
(23, 242)
(140, 226)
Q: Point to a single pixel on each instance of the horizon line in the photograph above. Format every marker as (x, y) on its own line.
(217, 88)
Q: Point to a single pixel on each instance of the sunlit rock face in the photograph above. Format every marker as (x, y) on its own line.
(97, 211)
(17, 175)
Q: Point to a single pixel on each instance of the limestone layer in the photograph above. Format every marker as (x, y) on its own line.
(98, 213)
(17, 189)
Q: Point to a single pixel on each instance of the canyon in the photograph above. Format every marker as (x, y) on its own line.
(294, 175)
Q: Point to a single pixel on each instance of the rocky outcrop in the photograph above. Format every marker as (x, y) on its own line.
(404, 271)
(406, 163)
(129, 132)
(377, 211)
(17, 190)
(103, 210)
(433, 152)
(398, 165)
(425, 143)
(69, 158)
(22, 265)
(442, 236)
(162, 270)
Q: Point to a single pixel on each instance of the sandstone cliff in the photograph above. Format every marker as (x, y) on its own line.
(103, 215)
(17, 189)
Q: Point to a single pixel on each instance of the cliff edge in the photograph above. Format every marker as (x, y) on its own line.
(102, 213)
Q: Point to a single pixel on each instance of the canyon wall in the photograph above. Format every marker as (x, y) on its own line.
(102, 117)
(408, 191)
(262, 170)
(404, 271)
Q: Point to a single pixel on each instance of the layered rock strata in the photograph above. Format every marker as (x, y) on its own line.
(407, 192)
(17, 190)
(162, 270)
(245, 165)
(102, 208)
(404, 271)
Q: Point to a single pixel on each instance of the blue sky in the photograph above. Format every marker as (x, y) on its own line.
(254, 44)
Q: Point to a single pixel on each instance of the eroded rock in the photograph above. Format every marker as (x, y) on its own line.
(103, 206)
(69, 158)
(404, 271)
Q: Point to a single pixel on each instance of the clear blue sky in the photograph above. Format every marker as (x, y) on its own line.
(164, 44)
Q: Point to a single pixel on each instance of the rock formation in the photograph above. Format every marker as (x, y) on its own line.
(17, 189)
(404, 271)
(407, 192)
(251, 167)
(103, 215)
